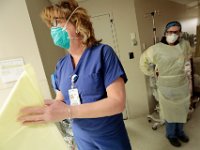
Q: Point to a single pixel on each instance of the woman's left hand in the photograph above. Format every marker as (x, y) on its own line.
(52, 111)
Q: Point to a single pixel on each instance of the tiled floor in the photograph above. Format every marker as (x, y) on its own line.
(144, 138)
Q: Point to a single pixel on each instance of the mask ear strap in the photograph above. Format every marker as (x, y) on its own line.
(70, 17)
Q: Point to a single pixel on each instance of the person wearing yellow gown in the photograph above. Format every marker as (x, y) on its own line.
(169, 57)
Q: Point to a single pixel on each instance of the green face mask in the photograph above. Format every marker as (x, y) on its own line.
(60, 37)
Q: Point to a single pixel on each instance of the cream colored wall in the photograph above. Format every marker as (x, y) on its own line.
(168, 11)
(189, 19)
(125, 23)
(197, 53)
(17, 39)
(48, 51)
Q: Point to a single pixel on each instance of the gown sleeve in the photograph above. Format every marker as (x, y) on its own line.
(188, 50)
(147, 65)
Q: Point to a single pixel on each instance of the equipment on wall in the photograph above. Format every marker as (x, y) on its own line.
(152, 14)
(155, 116)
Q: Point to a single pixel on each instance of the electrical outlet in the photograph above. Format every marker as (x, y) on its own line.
(131, 55)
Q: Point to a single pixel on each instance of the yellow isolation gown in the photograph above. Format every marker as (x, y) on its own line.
(172, 82)
(14, 135)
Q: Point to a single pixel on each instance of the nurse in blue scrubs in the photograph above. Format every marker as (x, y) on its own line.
(89, 80)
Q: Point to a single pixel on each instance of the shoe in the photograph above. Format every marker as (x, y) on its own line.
(183, 138)
(175, 142)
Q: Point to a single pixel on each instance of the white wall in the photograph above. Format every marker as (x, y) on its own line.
(190, 19)
(17, 39)
(168, 11)
(48, 51)
(125, 23)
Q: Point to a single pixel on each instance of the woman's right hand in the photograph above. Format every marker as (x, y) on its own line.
(52, 111)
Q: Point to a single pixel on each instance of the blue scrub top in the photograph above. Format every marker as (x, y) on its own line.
(97, 68)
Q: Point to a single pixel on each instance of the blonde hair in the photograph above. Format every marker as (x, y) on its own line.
(80, 19)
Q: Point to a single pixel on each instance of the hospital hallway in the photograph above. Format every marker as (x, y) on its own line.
(144, 138)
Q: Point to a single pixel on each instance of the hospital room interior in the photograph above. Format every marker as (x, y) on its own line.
(129, 27)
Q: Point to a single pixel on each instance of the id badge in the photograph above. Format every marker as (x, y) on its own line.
(74, 97)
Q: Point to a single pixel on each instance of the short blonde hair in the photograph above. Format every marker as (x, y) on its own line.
(80, 19)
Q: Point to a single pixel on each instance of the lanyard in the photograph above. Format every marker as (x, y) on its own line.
(74, 78)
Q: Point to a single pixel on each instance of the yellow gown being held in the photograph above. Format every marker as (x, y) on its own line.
(14, 135)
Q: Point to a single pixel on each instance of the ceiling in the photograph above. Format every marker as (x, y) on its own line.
(55, 1)
(185, 2)
(189, 3)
